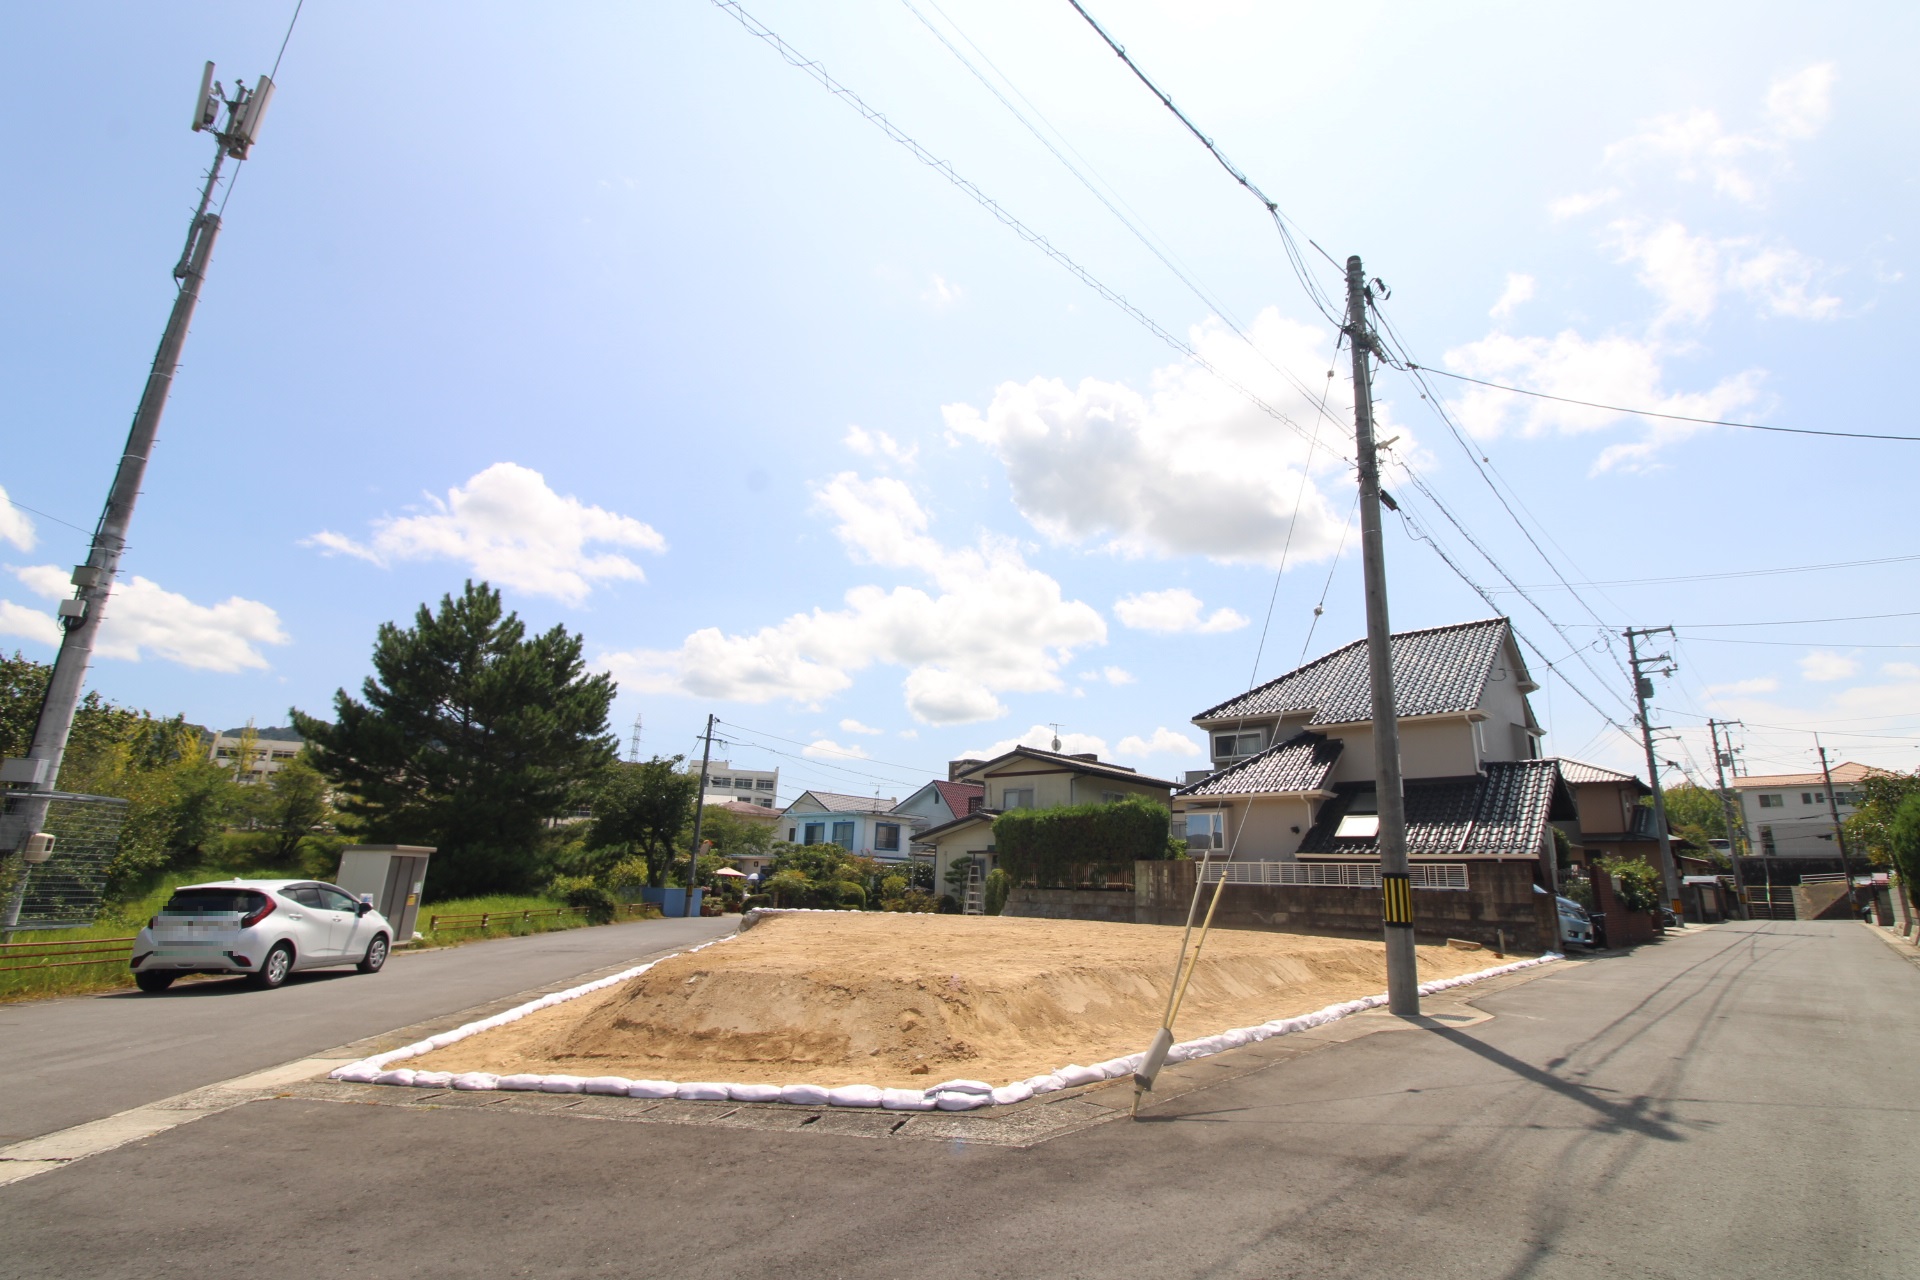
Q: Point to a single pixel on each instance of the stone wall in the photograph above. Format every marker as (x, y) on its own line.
(1499, 898)
(1073, 904)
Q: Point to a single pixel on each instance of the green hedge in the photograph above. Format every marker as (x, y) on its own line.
(1080, 844)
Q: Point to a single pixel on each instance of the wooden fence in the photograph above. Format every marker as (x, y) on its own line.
(59, 955)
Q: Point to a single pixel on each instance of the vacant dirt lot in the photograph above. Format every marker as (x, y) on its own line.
(907, 1000)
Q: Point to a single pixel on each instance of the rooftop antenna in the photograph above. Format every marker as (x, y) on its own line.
(80, 616)
(1056, 739)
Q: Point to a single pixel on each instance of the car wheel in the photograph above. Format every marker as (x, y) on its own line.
(275, 968)
(376, 955)
(155, 982)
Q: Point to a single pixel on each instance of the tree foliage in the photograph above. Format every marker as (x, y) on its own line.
(470, 737)
(1903, 844)
(1641, 887)
(1695, 813)
(639, 810)
(1080, 844)
(1869, 828)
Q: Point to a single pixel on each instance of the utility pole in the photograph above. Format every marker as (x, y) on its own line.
(1642, 690)
(1839, 832)
(699, 812)
(1396, 885)
(81, 616)
(1720, 760)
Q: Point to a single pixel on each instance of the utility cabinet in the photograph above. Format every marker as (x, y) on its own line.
(391, 876)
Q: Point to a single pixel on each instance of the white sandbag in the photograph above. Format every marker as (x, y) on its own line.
(1049, 1083)
(1076, 1075)
(612, 1086)
(804, 1095)
(355, 1073)
(905, 1100)
(432, 1079)
(754, 1092)
(959, 1086)
(653, 1088)
(400, 1075)
(522, 1080)
(702, 1091)
(479, 1081)
(1235, 1038)
(414, 1050)
(561, 1084)
(444, 1039)
(854, 1095)
(1007, 1094)
(961, 1101)
(1114, 1068)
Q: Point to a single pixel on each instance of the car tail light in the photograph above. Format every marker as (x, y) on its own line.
(153, 922)
(258, 914)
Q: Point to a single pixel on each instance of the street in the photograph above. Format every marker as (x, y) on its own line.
(1729, 1102)
(71, 1060)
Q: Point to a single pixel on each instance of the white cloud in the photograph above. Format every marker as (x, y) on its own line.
(871, 444)
(510, 528)
(1041, 736)
(1586, 202)
(992, 624)
(1744, 688)
(942, 293)
(1165, 741)
(1695, 145)
(1901, 670)
(14, 525)
(1689, 272)
(36, 625)
(1174, 610)
(1821, 665)
(828, 749)
(1111, 675)
(1519, 290)
(1798, 107)
(1612, 370)
(1190, 468)
(854, 726)
(144, 618)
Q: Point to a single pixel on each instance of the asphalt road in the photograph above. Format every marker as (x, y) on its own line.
(1732, 1102)
(63, 1062)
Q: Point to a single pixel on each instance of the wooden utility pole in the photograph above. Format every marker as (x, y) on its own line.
(699, 812)
(1396, 885)
(1726, 805)
(1642, 690)
(1839, 831)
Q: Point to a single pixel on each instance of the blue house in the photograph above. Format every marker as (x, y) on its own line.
(861, 825)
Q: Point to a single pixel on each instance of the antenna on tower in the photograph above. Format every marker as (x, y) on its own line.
(633, 743)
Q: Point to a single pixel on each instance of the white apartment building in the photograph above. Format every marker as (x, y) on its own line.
(744, 786)
(272, 751)
(1786, 814)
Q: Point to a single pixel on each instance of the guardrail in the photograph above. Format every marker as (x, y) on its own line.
(1352, 875)
(486, 919)
(51, 955)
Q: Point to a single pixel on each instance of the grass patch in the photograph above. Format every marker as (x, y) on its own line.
(507, 921)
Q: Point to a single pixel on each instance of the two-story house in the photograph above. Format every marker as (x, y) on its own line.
(861, 825)
(1293, 758)
(1023, 778)
(1786, 814)
(1612, 820)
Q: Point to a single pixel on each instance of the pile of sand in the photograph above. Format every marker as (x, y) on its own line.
(909, 1000)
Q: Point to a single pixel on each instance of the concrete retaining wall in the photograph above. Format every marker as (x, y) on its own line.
(1072, 904)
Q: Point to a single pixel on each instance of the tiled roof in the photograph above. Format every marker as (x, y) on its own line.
(959, 795)
(1578, 771)
(1843, 774)
(1436, 671)
(1301, 763)
(1502, 813)
(1094, 768)
(835, 802)
(978, 815)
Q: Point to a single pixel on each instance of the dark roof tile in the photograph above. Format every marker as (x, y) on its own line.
(1303, 762)
(1502, 813)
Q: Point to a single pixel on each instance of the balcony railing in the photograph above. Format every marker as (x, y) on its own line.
(1354, 875)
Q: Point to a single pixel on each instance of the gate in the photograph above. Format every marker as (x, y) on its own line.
(1770, 903)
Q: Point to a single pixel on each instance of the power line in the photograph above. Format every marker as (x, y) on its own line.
(1804, 644)
(1732, 573)
(1801, 622)
(794, 59)
(21, 506)
(1653, 413)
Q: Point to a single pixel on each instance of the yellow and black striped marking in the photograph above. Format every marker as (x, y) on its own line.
(1396, 894)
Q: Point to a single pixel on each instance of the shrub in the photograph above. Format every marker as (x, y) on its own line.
(753, 900)
(892, 887)
(595, 901)
(628, 877)
(948, 905)
(1080, 844)
(1641, 887)
(852, 896)
(998, 886)
(911, 900)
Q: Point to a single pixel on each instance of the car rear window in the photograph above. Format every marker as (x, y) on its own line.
(197, 902)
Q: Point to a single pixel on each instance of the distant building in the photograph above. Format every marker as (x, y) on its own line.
(272, 751)
(725, 783)
(859, 824)
(1786, 814)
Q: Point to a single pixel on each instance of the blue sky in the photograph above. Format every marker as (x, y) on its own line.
(611, 306)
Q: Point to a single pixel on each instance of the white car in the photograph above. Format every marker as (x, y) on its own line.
(265, 929)
(1574, 925)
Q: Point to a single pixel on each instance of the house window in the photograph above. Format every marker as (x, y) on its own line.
(1848, 797)
(1767, 847)
(1206, 831)
(1773, 802)
(1813, 797)
(766, 804)
(789, 835)
(1112, 797)
(843, 834)
(886, 835)
(719, 782)
(1017, 798)
(816, 833)
(974, 803)
(763, 784)
(1230, 746)
(1357, 826)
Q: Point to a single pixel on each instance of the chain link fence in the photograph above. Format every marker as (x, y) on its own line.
(66, 890)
